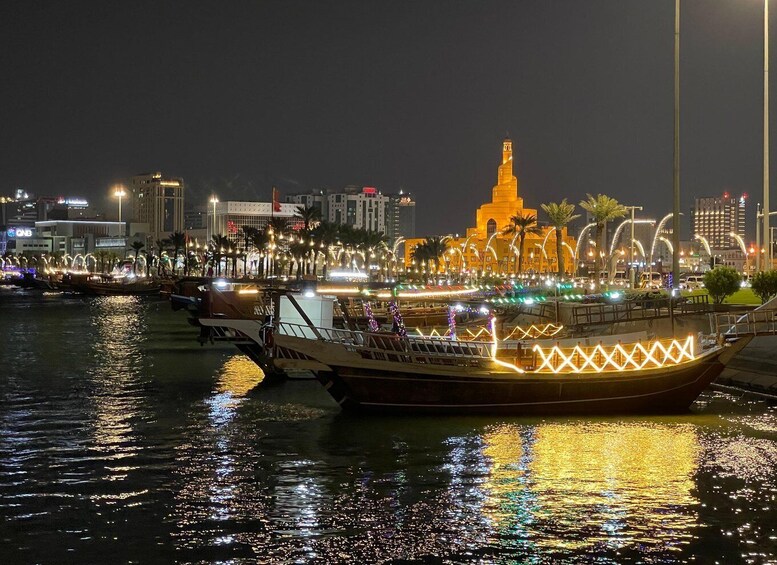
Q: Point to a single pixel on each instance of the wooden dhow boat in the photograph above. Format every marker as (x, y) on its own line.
(381, 372)
(373, 371)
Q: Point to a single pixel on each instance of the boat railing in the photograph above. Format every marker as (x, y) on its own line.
(525, 356)
(391, 347)
(755, 322)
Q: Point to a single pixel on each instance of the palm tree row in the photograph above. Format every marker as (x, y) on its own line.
(560, 214)
(281, 249)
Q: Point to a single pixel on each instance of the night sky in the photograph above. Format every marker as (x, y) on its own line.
(393, 94)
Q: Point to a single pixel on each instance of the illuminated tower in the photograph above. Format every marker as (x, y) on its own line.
(506, 189)
(505, 202)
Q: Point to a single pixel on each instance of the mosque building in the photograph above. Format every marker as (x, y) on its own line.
(489, 247)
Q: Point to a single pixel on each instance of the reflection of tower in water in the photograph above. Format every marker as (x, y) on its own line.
(593, 486)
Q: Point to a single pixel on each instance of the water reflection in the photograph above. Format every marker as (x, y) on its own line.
(121, 437)
(213, 467)
(578, 487)
(118, 333)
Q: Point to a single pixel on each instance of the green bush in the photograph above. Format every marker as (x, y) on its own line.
(721, 282)
(765, 285)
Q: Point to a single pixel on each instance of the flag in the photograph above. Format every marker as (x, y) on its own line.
(276, 203)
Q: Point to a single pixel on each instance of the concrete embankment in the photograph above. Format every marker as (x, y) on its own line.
(754, 368)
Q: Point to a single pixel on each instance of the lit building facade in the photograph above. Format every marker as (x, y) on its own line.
(79, 236)
(231, 216)
(361, 207)
(400, 216)
(158, 202)
(314, 199)
(487, 249)
(716, 217)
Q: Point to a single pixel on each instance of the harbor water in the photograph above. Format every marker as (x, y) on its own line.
(124, 440)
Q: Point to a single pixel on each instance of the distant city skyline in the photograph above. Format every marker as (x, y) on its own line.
(391, 95)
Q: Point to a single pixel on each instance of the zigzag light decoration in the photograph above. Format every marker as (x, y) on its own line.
(547, 330)
(533, 332)
(598, 359)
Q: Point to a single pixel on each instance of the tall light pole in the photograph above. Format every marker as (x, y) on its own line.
(119, 193)
(631, 247)
(214, 201)
(767, 231)
(676, 179)
(758, 237)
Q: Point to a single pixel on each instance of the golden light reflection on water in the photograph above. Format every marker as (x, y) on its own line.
(119, 332)
(593, 485)
(239, 376)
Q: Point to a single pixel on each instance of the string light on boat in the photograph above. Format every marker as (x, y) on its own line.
(615, 358)
(518, 333)
(338, 290)
(371, 321)
(452, 322)
(399, 324)
(534, 331)
(494, 347)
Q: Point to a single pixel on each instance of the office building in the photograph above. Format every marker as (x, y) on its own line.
(400, 216)
(715, 218)
(361, 207)
(159, 202)
(228, 218)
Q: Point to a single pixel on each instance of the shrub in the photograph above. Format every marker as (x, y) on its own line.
(721, 282)
(765, 285)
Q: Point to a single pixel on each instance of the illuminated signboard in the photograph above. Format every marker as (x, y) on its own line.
(73, 202)
(19, 232)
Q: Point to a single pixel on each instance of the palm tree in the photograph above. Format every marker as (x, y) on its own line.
(430, 251)
(522, 226)
(310, 216)
(437, 246)
(161, 244)
(298, 250)
(137, 246)
(248, 234)
(603, 209)
(280, 226)
(560, 214)
(259, 240)
(220, 243)
(178, 241)
(325, 234)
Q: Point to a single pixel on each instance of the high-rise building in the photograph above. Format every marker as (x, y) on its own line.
(158, 202)
(312, 199)
(715, 218)
(195, 218)
(400, 216)
(362, 208)
(356, 206)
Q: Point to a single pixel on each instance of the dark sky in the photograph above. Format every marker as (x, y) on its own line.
(391, 94)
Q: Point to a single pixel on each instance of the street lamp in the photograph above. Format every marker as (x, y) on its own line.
(119, 193)
(632, 278)
(214, 201)
(766, 213)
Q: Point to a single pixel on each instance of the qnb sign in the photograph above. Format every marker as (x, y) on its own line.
(19, 232)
